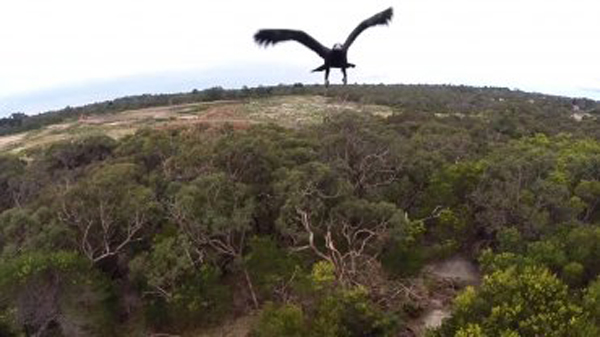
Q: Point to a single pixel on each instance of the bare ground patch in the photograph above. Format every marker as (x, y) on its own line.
(449, 276)
(294, 111)
(7, 142)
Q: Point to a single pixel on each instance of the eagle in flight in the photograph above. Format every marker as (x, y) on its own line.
(335, 57)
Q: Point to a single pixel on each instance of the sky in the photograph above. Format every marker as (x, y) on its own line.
(72, 52)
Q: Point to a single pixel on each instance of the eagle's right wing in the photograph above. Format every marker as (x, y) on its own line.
(265, 37)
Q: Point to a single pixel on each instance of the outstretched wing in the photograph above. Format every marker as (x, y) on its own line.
(382, 18)
(265, 37)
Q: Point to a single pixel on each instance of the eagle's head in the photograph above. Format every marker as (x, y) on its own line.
(337, 46)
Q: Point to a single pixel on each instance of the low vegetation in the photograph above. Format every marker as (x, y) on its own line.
(311, 226)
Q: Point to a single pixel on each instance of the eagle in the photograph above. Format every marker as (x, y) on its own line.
(335, 57)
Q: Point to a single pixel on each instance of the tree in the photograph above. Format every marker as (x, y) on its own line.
(215, 213)
(591, 301)
(81, 151)
(321, 216)
(360, 148)
(350, 313)
(522, 302)
(22, 230)
(55, 293)
(179, 289)
(274, 271)
(109, 211)
(11, 169)
(589, 192)
(151, 148)
(285, 320)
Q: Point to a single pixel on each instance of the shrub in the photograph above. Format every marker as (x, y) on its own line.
(284, 320)
(528, 301)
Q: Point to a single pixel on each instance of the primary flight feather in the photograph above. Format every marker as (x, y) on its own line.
(335, 57)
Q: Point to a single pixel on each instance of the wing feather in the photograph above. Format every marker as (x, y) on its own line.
(266, 37)
(382, 18)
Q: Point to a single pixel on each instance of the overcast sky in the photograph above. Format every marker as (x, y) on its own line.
(70, 52)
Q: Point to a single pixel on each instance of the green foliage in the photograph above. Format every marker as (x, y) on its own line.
(184, 224)
(510, 240)
(368, 215)
(18, 271)
(402, 260)
(250, 159)
(527, 301)
(404, 253)
(201, 299)
(109, 210)
(78, 152)
(149, 148)
(550, 253)
(573, 274)
(313, 186)
(589, 192)
(583, 246)
(350, 313)
(449, 231)
(181, 290)
(55, 293)
(24, 231)
(591, 301)
(11, 170)
(323, 275)
(472, 330)
(335, 312)
(214, 203)
(271, 267)
(490, 261)
(215, 213)
(285, 320)
(165, 267)
(453, 184)
(357, 146)
(530, 184)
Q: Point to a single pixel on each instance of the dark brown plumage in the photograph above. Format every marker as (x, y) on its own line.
(335, 57)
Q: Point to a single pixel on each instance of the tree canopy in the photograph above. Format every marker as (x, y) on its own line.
(322, 230)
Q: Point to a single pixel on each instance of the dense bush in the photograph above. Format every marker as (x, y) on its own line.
(527, 301)
(319, 228)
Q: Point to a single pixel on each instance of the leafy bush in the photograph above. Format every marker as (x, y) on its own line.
(350, 313)
(180, 290)
(271, 268)
(285, 320)
(55, 293)
(186, 225)
(528, 301)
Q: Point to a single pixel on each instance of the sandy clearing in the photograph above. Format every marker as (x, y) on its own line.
(457, 269)
(461, 273)
(8, 141)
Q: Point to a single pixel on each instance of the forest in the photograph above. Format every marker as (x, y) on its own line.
(318, 230)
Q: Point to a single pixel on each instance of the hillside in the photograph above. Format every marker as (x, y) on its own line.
(299, 211)
(431, 98)
(288, 111)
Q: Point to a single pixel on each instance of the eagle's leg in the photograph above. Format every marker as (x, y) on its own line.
(327, 76)
(345, 76)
